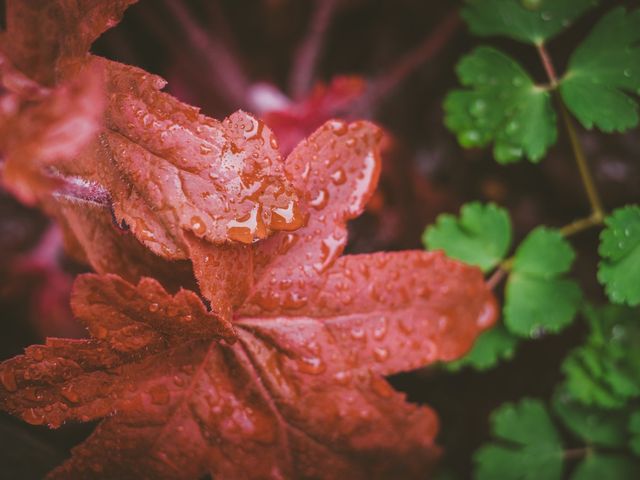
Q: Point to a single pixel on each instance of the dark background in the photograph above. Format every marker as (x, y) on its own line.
(425, 173)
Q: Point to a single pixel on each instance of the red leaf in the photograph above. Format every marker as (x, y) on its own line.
(299, 395)
(283, 378)
(45, 37)
(297, 121)
(37, 135)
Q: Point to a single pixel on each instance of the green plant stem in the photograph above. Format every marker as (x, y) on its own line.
(577, 453)
(573, 228)
(597, 210)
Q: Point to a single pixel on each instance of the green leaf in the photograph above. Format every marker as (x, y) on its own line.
(527, 445)
(481, 236)
(593, 425)
(490, 347)
(605, 371)
(604, 466)
(530, 21)
(502, 105)
(619, 269)
(544, 253)
(537, 299)
(603, 71)
(634, 429)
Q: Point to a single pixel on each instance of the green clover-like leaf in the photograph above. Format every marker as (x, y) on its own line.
(481, 236)
(605, 466)
(605, 371)
(619, 269)
(527, 445)
(530, 21)
(604, 74)
(538, 298)
(501, 105)
(490, 348)
(593, 425)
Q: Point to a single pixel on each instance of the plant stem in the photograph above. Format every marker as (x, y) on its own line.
(307, 55)
(568, 230)
(581, 224)
(576, 453)
(597, 210)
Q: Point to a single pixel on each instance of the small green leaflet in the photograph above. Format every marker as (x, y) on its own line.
(604, 74)
(490, 347)
(634, 430)
(481, 236)
(605, 371)
(538, 299)
(601, 466)
(594, 426)
(501, 105)
(527, 445)
(619, 269)
(530, 21)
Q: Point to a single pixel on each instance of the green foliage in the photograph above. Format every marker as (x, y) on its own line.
(538, 298)
(619, 269)
(527, 445)
(605, 370)
(481, 236)
(604, 466)
(634, 430)
(501, 105)
(594, 426)
(530, 21)
(490, 347)
(598, 402)
(603, 70)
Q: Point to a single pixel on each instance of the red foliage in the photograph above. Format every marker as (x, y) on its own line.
(282, 377)
(296, 121)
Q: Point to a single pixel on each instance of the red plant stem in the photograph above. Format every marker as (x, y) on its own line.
(428, 49)
(222, 65)
(306, 57)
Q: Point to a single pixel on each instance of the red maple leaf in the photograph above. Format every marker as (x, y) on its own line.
(298, 395)
(283, 377)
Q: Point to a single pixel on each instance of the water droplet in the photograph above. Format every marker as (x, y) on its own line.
(478, 107)
(487, 315)
(546, 16)
(517, 81)
(338, 127)
(381, 329)
(338, 177)
(342, 377)
(311, 365)
(321, 199)
(33, 416)
(198, 226)
(512, 127)
(70, 394)
(357, 333)
(287, 219)
(154, 307)
(380, 354)
(469, 137)
(627, 72)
